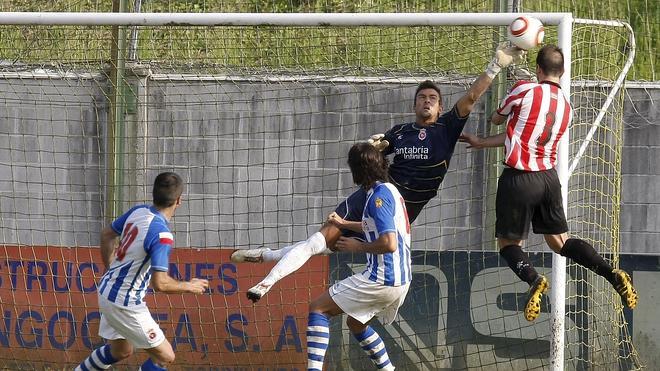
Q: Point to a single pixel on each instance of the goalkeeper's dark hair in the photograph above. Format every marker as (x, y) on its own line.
(367, 164)
(551, 60)
(428, 84)
(168, 187)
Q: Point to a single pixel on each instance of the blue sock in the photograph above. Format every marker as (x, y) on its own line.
(149, 365)
(100, 359)
(318, 335)
(374, 346)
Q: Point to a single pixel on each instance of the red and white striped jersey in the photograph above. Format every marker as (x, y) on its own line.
(538, 115)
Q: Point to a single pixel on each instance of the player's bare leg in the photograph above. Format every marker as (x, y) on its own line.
(159, 357)
(297, 255)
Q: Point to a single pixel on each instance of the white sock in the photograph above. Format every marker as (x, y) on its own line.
(275, 255)
(296, 255)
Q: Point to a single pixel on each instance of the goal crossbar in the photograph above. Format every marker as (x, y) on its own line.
(272, 19)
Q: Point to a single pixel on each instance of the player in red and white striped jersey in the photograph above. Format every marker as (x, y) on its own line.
(537, 115)
(529, 191)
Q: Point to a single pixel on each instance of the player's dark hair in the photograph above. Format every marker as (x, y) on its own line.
(551, 60)
(168, 187)
(428, 84)
(367, 164)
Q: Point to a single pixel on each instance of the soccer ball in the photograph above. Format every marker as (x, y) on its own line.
(526, 32)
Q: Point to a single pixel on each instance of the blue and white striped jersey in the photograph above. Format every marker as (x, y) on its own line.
(145, 245)
(385, 212)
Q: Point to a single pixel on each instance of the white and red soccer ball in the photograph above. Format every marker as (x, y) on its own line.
(526, 32)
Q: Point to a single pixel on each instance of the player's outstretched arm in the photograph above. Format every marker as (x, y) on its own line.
(497, 119)
(162, 282)
(109, 240)
(504, 57)
(476, 142)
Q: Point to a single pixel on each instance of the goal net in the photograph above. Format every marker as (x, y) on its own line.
(258, 120)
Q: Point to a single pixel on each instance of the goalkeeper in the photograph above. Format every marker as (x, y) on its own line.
(422, 151)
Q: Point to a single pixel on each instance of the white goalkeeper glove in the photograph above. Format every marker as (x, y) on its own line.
(518, 73)
(504, 57)
(378, 141)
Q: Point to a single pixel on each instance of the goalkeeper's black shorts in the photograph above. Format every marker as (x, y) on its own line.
(525, 197)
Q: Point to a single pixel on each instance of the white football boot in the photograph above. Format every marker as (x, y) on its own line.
(258, 291)
(249, 255)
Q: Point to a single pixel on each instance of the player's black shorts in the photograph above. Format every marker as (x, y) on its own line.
(529, 196)
(351, 209)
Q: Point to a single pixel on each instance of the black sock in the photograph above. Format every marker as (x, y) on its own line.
(519, 263)
(583, 253)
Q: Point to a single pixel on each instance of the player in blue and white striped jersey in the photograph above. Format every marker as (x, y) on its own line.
(146, 242)
(385, 212)
(141, 242)
(382, 287)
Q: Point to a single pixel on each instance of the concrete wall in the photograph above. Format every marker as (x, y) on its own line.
(640, 203)
(51, 167)
(264, 161)
(278, 153)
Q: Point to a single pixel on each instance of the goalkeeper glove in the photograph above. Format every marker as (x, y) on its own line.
(504, 57)
(521, 73)
(378, 141)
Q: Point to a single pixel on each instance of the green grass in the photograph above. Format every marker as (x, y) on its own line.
(416, 50)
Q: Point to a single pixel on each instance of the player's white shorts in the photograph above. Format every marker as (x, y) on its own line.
(363, 299)
(134, 324)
